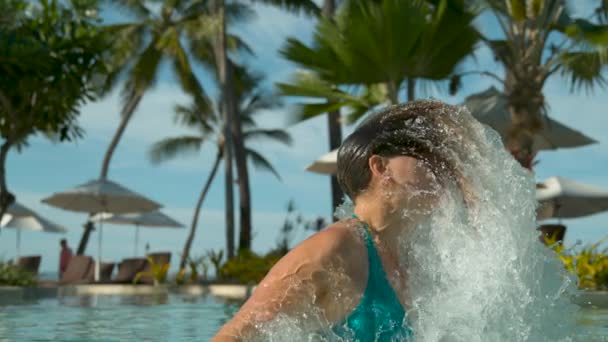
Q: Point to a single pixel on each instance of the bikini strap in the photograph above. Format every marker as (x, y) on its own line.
(372, 255)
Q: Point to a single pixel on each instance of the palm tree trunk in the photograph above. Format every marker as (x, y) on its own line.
(6, 197)
(241, 164)
(411, 89)
(127, 114)
(334, 128)
(228, 114)
(525, 103)
(335, 140)
(229, 198)
(197, 209)
(84, 240)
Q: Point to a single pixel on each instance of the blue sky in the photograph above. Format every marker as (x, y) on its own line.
(44, 167)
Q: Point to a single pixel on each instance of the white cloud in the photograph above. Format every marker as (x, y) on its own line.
(152, 120)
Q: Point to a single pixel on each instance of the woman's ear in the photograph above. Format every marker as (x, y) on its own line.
(377, 165)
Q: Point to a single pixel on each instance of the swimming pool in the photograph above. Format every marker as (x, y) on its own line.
(167, 317)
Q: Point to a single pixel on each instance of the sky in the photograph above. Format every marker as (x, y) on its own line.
(44, 167)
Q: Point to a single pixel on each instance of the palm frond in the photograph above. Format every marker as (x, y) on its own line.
(248, 122)
(296, 6)
(258, 102)
(202, 51)
(171, 45)
(127, 40)
(261, 163)
(277, 135)
(170, 148)
(584, 69)
(143, 74)
(238, 12)
(583, 31)
(190, 116)
(305, 111)
(237, 44)
(308, 85)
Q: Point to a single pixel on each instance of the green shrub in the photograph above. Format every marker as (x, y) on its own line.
(590, 265)
(248, 267)
(158, 272)
(12, 275)
(194, 264)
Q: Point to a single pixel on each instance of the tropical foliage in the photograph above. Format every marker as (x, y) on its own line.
(12, 275)
(248, 267)
(216, 258)
(364, 57)
(540, 39)
(158, 272)
(51, 57)
(195, 265)
(589, 264)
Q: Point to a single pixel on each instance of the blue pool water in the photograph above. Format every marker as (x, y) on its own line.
(116, 318)
(158, 318)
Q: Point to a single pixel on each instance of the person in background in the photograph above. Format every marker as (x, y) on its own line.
(64, 257)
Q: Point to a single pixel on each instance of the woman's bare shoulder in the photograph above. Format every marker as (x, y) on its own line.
(304, 276)
(338, 243)
(335, 239)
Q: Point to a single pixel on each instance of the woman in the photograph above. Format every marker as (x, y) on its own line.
(350, 276)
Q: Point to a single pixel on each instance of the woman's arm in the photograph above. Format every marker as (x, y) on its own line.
(297, 283)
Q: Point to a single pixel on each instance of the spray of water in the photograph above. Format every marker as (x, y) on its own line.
(475, 269)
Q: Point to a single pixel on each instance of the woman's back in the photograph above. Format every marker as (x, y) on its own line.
(326, 271)
(379, 315)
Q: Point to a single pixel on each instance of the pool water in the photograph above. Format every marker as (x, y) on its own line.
(158, 318)
(116, 318)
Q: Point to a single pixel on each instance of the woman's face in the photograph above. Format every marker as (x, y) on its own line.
(410, 183)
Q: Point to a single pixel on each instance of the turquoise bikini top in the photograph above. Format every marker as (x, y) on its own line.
(379, 316)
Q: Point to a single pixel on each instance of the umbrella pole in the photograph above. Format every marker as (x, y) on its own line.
(98, 263)
(18, 243)
(136, 239)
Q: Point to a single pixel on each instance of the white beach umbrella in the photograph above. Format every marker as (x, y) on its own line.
(570, 199)
(151, 219)
(20, 218)
(101, 196)
(490, 108)
(326, 164)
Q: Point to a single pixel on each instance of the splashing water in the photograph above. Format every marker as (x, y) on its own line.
(475, 268)
(478, 272)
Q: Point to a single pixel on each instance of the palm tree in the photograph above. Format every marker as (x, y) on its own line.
(234, 142)
(334, 127)
(373, 47)
(251, 100)
(140, 47)
(540, 39)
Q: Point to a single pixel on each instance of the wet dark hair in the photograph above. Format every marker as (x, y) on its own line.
(417, 129)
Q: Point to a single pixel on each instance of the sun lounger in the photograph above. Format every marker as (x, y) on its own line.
(159, 259)
(105, 272)
(78, 270)
(29, 263)
(128, 268)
